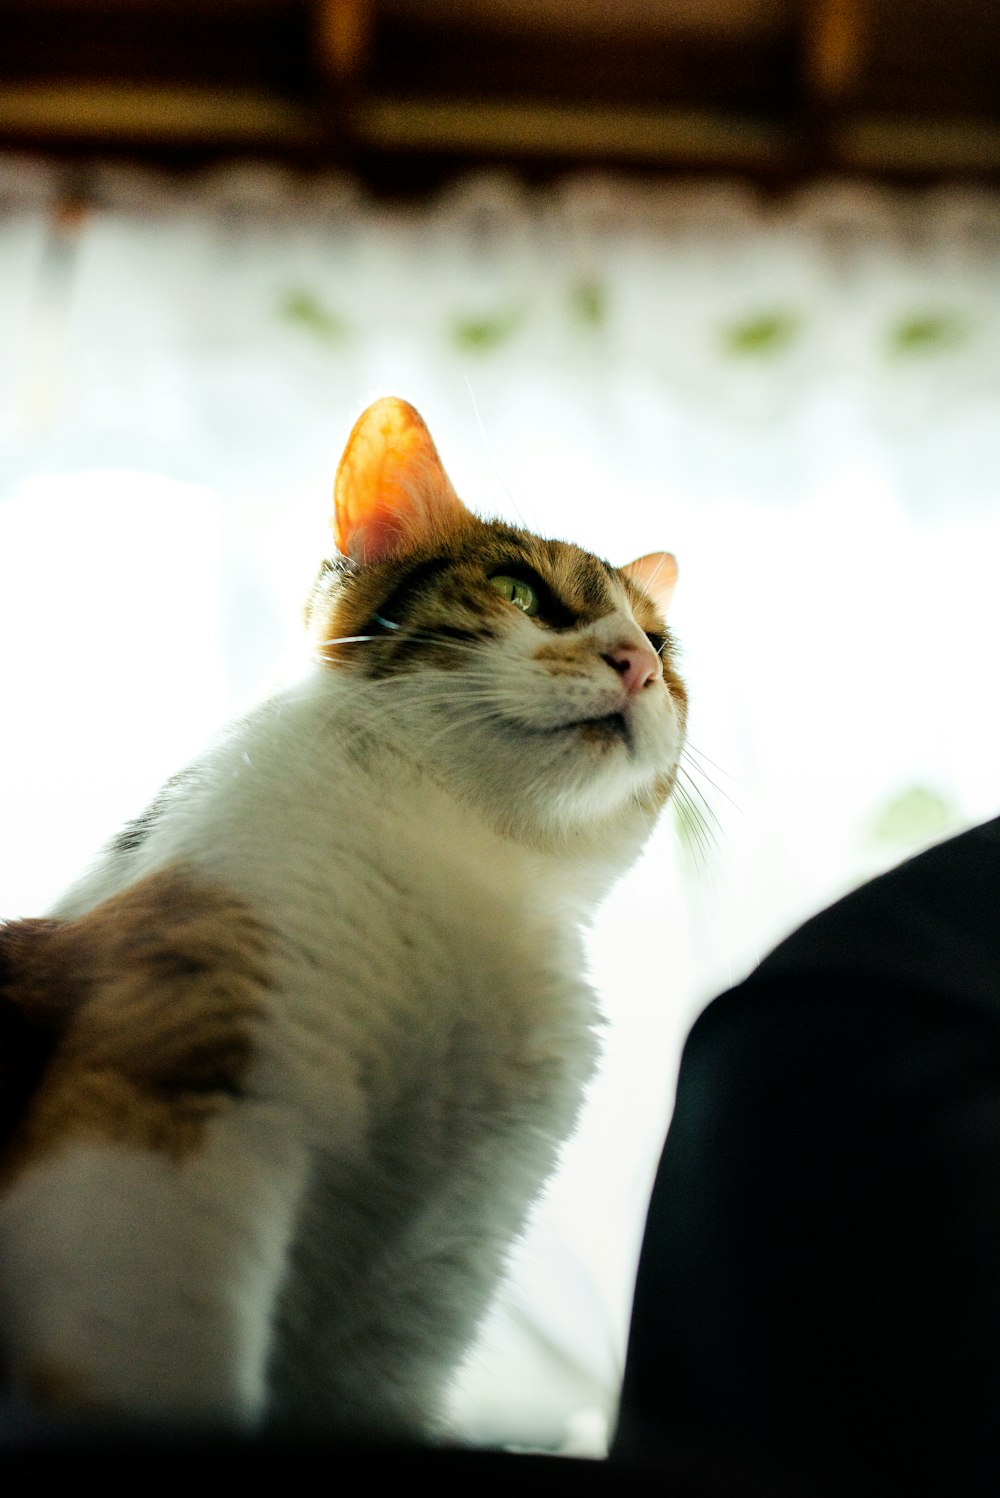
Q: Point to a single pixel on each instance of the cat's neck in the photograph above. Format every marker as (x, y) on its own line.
(575, 865)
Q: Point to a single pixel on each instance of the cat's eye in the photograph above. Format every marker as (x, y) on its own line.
(516, 591)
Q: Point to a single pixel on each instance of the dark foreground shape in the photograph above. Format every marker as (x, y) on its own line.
(818, 1301)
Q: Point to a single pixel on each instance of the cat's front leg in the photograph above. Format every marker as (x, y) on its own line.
(147, 1190)
(140, 1286)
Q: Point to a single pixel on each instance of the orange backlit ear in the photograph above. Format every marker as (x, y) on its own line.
(656, 574)
(391, 493)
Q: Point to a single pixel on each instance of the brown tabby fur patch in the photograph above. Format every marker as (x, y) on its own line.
(133, 1023)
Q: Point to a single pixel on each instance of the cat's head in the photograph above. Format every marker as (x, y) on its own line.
(532, 675)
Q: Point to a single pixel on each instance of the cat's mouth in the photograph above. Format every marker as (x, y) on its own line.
(610, 729)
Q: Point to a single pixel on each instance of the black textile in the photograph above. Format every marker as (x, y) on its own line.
(818, 1299)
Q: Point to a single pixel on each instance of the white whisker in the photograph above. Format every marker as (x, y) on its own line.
(708, 810)
(686, 754)
(343, 640)
(696, 834)
(489, 453)
(693, 749)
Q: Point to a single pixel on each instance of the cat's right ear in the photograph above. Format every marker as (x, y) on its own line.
(391, 493)
(656, 574)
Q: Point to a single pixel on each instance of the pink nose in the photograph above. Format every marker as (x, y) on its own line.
(637, 666)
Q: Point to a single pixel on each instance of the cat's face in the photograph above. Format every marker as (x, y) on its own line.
(535, 676)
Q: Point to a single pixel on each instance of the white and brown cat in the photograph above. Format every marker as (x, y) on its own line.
(282, 1075)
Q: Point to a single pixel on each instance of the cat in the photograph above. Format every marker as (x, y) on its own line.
(284, 1072)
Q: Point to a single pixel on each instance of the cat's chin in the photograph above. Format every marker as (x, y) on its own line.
(592, 779)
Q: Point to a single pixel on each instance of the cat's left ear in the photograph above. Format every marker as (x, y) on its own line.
(391, 492)
(656, 574)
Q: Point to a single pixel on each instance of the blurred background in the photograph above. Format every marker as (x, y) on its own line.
(712, 276)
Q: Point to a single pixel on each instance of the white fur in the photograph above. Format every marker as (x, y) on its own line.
(425, 849)
(151, 1280)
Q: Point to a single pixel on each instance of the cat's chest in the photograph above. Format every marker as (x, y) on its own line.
(432, 968)
(394, 882)
(414, 952)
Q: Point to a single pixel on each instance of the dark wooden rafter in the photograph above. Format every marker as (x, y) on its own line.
(833, 50)
(776, 86)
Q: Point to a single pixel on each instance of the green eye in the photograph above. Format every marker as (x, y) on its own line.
(522, 595)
